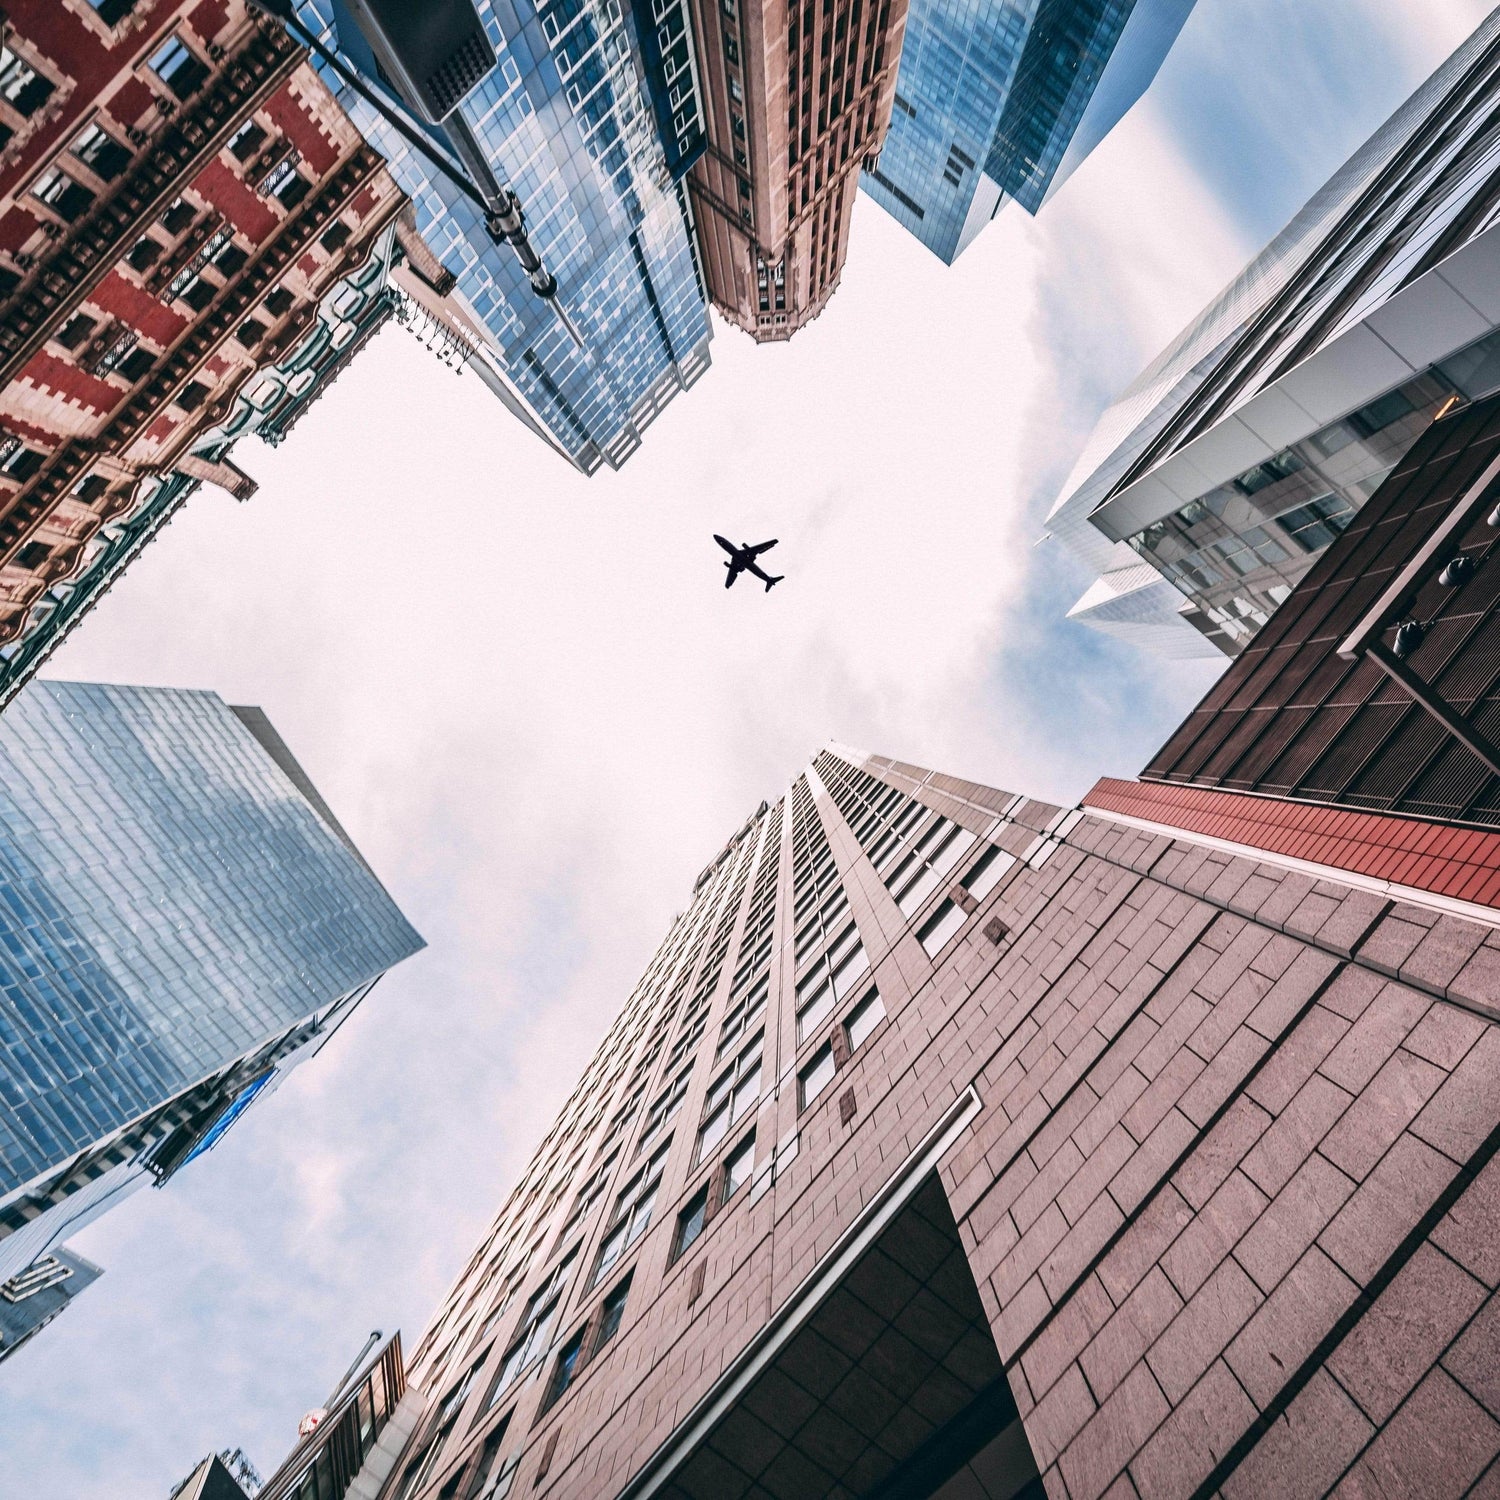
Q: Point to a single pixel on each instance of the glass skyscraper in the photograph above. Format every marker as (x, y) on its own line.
(566, 121)
(1001, 100)
(1234, 460)
(181, 921)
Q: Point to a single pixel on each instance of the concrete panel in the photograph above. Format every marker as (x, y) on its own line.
(1344, 376)
(1277, 419)
(1428, 321)
(1474, 273)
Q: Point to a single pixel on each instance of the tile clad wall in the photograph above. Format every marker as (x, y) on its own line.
(1230, 1201)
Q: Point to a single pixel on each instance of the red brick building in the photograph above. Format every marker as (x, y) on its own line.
(959, 1145)
(177, 191)
(796, 99)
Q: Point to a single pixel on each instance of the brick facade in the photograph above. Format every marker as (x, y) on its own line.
(170, 214)
(797, 100)
(1228, 1200)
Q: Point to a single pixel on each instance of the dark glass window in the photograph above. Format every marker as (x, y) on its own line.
(335, 237)
(198, 293)
(566, 1366)
(179, 214)
(293, 190)
(690, 1221)
(178, 67)
(75, 331)
(192, 395)
(21, 86)
(611, 1314)
(144, 253)
(69, 200)
(230, 259)
(738, 1166)
(33, 554)
(137, 364)
(279, 302)
(246, 141)
(101, 153)
(22, 464)
(251, 332)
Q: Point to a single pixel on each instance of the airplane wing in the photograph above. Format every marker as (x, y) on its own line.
(729, 547)
(762, 547)
(730, 574)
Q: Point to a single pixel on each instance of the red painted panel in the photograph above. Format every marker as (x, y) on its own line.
(44, 371)
(1436, 857)
(128, 302)
(306, 133)
(238, 202)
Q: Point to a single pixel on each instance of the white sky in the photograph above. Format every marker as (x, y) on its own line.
(534, 706)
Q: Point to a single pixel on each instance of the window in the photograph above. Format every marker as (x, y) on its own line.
(112, 12)
(177, 67)
(199, 292)
(632, 1212)
(738, 1167)
(610, 1314)
(863, 1019)
(563, 1370)
(137, 364)
(486, 1465)
(144, 253)
(988, 871)
(536, 1327)
(817, 1075)
(101, 153)
(90, 488)
(179, 213)
(76, 330)
(69, 200)
(734, 1093)
(335, 237)
(229, 261)
(279, 302)
(731, 46)
(33, 555)
(20, 463)
(246, 141)
(742, 1016)
(293, 189)
(664, 1107)
(690, 1221)
(250, 332)
(21, 86)
(736, 92)
(192, 395)
(940, 927)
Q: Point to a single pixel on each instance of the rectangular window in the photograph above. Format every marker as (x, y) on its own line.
(101, 153)
(69, 200)
(817, 1075)
(940, 927)
(817, 1010)
(632, 1213)
(177, 67)
(734, 1093)
(564, 1369)
(75, 331)
(610, 1314)
(178, 214)
(279, 302)
(738, 1166)
(863, 1019)
(246, 141)
(690, 1221)
(21, 86)
(993, 865)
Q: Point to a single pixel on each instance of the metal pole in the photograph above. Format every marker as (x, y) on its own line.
(1461, 730)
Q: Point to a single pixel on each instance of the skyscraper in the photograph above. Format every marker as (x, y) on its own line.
(999, 103)
(184, 921)
(1247, 445)
(958, 1144)
(566, 120)
(795, 99)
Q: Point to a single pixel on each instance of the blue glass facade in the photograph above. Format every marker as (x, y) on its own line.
(176, 918)
(564, 120)
(1000, 100)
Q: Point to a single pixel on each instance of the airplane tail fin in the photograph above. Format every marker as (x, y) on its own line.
(772, 582)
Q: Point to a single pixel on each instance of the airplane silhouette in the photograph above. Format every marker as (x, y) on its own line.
(742, 560)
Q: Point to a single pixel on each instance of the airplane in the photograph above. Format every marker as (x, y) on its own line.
(742, 560)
